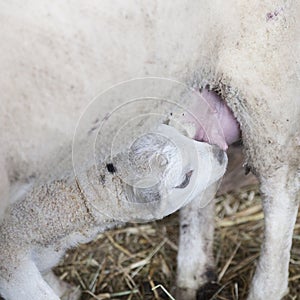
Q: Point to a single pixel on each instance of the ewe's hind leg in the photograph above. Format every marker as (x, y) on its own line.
(24, 282)
(64, 290)
(280, 204)
(195, 266)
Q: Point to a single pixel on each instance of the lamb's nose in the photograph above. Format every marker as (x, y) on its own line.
(218, 154)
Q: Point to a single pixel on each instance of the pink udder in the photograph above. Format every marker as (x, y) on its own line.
(213, 119)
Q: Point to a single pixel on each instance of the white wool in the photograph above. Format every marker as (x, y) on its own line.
(55, 57)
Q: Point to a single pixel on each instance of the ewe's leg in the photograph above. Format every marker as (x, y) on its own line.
(280, 208)
(24, 282)
(195, 265)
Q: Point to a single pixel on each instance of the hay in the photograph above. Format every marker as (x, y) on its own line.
(139, 261)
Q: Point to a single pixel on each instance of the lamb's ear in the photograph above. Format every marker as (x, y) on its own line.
(146, 201)
(142, 195)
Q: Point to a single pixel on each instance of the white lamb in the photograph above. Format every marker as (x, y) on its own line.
(155, 176)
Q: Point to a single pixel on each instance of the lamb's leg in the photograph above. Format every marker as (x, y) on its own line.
(24, 282)
(64, 290)
(280, 206)
(195, 266)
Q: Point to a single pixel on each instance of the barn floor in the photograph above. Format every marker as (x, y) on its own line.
(125, 263)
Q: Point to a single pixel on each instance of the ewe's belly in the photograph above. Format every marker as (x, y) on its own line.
(56, 57)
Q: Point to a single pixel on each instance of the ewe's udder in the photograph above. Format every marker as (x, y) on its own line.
(218, 116)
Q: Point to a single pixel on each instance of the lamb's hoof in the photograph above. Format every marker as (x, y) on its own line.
(185, 294)
(208, 291)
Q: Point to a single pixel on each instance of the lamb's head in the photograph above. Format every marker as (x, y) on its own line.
(159, 173)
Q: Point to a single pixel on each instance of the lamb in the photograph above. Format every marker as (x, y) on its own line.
(143, 183)
(56, 57)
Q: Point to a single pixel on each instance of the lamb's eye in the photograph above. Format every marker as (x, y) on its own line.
(111, 168)
(186, 180)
